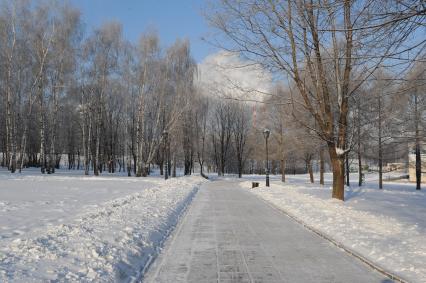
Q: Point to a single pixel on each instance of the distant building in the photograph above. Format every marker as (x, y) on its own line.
(396, 167)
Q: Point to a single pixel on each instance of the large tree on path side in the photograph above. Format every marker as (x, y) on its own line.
(325, 49)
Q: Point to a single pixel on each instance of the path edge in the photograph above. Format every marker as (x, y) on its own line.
(341, 246)
(151, 270)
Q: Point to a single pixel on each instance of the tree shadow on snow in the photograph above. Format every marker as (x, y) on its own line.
(353, 193)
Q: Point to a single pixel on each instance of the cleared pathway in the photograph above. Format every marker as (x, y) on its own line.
(229, 235)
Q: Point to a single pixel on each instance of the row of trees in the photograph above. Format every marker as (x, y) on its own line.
(97, 98)
(328, 53)
(350, 82)
(105, 103)
(386, 123)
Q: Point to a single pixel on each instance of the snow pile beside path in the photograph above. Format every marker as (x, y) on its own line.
(396, 246)
(114, 241)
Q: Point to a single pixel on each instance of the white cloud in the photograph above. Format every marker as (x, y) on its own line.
(224, 74)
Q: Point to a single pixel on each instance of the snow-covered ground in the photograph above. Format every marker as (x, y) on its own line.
(388, 227)
(68, 227)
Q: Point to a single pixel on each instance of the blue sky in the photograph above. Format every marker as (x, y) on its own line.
(171, 18)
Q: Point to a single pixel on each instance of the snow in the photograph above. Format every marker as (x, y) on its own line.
(68, 227)
(387, 227)
(340, 151)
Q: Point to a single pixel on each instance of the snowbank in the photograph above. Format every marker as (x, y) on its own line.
(109, 241)
(376, 228)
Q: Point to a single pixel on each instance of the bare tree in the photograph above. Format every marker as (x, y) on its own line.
(64, 43)
(410, 99)
(221, 133)
(201, 116)
(381, 119)
(100, 99)
(241, 128)
(417, 105)
(9, 48)
(102, 49)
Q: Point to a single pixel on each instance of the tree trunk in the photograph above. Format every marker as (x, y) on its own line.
(83, 139)
(380, 144)
(359, 169)
(240, 168)
(78, 160)
(52, 158)
(359, 144)
(418, 153)
(338, 166)
(311, 172)
(98, 141)
(89, 155)
(282, 163)
(222, 165)
(139, 138)
(10, 121)
(8, 127)
(347, 169)
(174, 165)
(42, 132)
(13, 148)
(145, 170)
(139, 168)
(202, 170)
(321, 154)
(418, 167)
(187, 166)
(23, 146)
(380, 166)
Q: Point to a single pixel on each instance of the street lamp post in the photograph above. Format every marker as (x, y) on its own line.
(266, 133)
(166, 158)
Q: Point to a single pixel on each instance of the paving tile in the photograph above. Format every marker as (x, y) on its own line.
(234, 276)
(229, 235)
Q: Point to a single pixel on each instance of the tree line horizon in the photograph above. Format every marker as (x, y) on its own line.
(351, 86)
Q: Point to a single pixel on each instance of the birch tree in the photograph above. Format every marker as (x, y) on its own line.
(64, 43)
(102, 51)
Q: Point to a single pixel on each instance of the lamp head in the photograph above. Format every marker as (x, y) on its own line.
(266, 133)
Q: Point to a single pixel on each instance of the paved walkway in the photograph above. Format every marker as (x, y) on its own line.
(229, 235)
